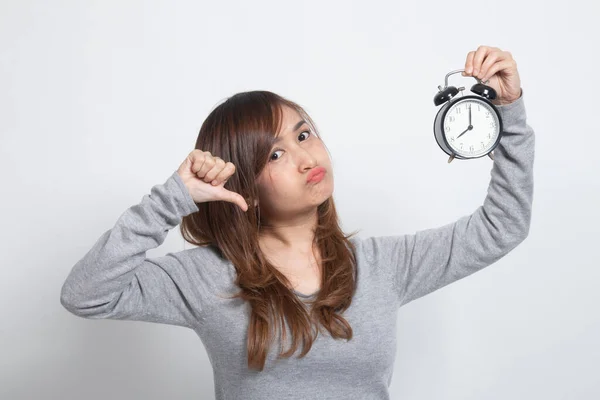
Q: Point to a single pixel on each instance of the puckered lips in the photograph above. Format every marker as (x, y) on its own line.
(316, 175)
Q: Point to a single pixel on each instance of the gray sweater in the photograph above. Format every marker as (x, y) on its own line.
(115, 280)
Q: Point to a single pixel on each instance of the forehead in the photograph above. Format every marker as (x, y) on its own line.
(289, 118)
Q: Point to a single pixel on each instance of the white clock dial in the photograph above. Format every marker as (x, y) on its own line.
(476, 138)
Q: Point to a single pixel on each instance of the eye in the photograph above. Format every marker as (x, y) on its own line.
(273, 159)
(305, 132)
(302, 133)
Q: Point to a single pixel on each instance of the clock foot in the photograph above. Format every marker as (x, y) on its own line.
(491, 155)
(450, 159)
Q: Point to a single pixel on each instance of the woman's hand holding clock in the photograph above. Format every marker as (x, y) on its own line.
(497, 66)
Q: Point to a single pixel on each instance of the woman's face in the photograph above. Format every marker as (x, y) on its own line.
(283, 188)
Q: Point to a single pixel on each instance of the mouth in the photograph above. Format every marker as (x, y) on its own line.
(316, 175)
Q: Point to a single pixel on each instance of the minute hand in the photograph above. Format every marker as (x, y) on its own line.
(470, 126)
(469, 114)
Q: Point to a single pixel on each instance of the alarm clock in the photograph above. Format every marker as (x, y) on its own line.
(470, 126)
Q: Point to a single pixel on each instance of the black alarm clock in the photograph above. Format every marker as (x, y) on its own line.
(470, 126)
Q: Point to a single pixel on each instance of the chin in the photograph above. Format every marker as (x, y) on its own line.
(325, 191)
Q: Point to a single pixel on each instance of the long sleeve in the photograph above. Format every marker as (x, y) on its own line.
(433, 258)
(115, 280)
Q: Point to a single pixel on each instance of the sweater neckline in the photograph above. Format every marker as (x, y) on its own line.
(305, 295)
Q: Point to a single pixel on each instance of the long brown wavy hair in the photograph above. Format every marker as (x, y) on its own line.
(242, 130)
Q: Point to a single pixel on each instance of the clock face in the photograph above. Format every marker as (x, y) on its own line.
(471, 127)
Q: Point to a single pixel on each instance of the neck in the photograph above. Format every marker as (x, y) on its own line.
(291, 234)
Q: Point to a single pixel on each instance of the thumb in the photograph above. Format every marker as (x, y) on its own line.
(235, 198)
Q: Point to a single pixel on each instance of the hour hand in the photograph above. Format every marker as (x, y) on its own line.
(466, 130)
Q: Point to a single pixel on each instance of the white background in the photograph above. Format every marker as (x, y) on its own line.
(101, 100)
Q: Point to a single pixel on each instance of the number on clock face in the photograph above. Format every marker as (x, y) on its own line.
(484, 132)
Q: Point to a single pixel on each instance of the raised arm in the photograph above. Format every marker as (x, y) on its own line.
(115, 280)
(433, 258)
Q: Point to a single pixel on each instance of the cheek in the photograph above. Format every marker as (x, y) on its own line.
(277, 185)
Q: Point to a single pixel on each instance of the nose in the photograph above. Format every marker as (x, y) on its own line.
(306, 160)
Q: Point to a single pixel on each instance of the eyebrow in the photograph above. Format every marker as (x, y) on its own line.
(296, 127)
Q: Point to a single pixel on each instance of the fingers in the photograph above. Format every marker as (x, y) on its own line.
(199, 158)
(501, 65)
(224, 174)
(218, 165)
(479, 62)
(480, 54)
(211, 168)
(487, 63)
(469, 63)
